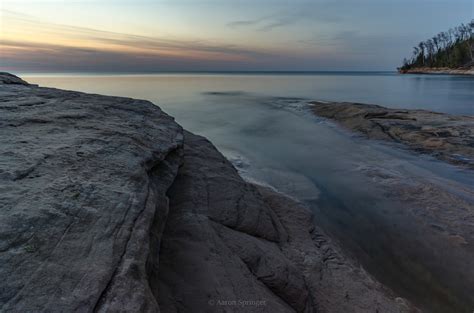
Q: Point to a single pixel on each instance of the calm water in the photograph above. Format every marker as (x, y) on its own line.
(263, 125)
(450, 94)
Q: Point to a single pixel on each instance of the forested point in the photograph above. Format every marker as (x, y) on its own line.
(451, 49)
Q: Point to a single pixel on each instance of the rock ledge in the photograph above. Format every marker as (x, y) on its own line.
(447, 137)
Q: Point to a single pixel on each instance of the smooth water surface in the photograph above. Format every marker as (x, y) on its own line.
(442, 93)
(263, 124)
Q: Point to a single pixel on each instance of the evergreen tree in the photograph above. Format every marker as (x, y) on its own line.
(453, 49)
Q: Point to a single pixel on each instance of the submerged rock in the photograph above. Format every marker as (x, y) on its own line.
(107, 205)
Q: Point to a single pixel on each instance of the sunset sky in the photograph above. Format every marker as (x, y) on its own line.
(196, 35)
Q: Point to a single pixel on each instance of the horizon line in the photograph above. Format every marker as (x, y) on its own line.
(30, 73)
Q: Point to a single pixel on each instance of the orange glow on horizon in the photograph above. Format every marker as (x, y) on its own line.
(25, 35)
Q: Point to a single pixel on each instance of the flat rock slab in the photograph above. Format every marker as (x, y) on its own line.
(447, 137)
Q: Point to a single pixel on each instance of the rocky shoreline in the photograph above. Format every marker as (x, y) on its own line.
(109, 205)
(438, 71)
(447, 137)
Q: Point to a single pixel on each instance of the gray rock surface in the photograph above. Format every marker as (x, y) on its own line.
(7, 78)
(209, 264)
(81, 177)
(447, 137)
(107, 205)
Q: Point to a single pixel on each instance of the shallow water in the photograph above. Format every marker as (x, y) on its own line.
(263, 125)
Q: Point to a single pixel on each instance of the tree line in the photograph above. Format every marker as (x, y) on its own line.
(453, 49)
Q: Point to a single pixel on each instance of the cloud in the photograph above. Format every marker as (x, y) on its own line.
(236, 24)
(290, 16)
(270, 22)
(63, 47)
(48, 57)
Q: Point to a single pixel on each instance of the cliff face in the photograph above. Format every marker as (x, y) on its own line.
(107, 205)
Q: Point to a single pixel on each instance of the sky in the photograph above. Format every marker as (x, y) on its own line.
(136, 36)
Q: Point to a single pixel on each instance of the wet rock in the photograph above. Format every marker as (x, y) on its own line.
(447, 137)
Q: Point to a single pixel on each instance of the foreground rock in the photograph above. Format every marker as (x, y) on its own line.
(107, 205)
(82, 177)
(447, 137)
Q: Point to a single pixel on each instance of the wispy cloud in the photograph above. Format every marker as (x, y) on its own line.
(284, 18)
(270, 22)
(243, 23)
(63, 47)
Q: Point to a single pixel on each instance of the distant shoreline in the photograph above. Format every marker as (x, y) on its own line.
(438, 71)
(303, 73)
(429, 71)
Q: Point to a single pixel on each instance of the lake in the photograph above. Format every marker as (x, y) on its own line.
(359, 190)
